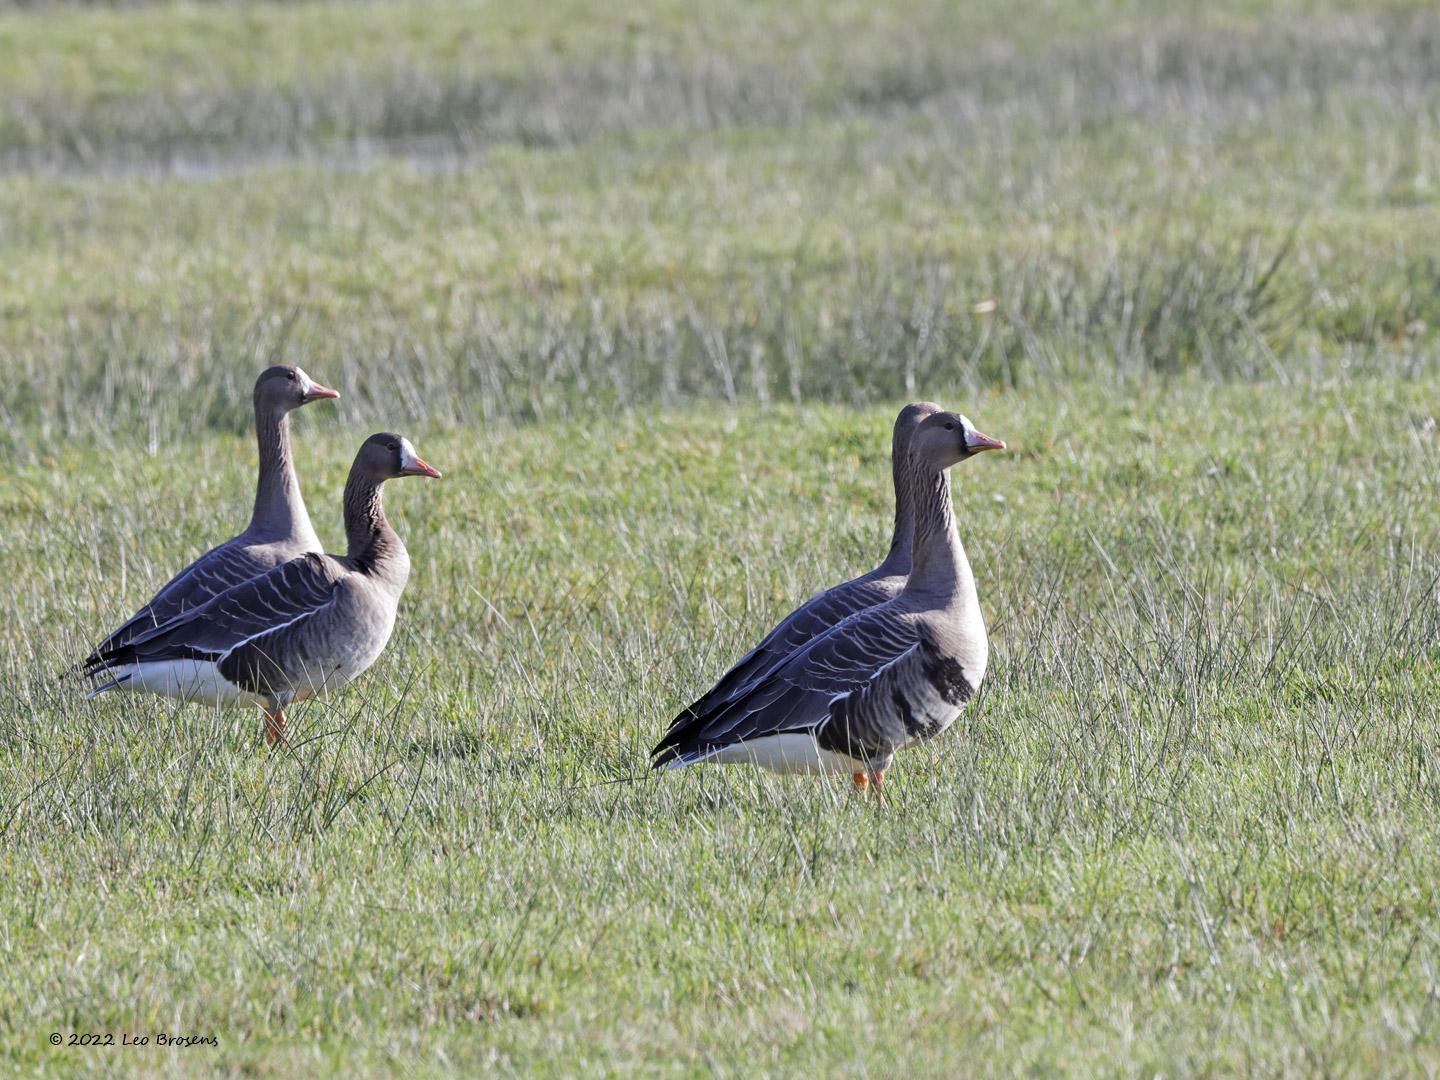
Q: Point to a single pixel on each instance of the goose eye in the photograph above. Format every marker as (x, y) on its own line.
(949, 426)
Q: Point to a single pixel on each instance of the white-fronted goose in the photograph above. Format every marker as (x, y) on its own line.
(825, 609)
(305, 627)
(279, 528)
(882, 678)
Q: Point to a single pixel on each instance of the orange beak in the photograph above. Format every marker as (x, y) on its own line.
(977, 443)
(420, 468)
(316, 392)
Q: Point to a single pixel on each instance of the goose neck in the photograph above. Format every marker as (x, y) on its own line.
(897, 559)
(372, 545)
(279, 507)
(938, 563)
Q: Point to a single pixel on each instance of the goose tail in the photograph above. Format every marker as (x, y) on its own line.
(115, 682)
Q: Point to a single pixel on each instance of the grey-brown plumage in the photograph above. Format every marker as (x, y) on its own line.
(883, 677)
(279, 528)
(307, 626)
(824, 609)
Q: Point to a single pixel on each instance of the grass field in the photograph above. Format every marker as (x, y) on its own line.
(649, 287)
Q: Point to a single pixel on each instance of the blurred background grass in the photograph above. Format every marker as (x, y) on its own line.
(522, 214)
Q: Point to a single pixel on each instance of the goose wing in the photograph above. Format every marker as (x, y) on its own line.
(217, 571)
(797, 694)
(245, 618)
(804, 624)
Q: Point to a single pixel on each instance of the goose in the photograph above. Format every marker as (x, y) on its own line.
(279, 528)
(305, 627)
(882, 678)
(830, 606)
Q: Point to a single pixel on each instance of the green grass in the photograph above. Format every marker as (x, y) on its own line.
(1188, 827)
(649, 287)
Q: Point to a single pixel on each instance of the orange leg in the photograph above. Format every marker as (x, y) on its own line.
(877, 784)
(275, 726)
(860, 780)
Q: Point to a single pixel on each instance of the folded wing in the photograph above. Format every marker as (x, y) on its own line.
(797, 694)
(801, 626)
(244, 628)
(217, 571)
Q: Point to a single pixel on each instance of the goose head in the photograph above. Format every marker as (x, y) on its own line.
(285, 387)
(943, 438)
(387, 455)
(908, 423)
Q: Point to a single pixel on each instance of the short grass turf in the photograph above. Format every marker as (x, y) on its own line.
(1189, 826)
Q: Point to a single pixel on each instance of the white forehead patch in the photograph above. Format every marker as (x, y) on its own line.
(306, 383)
(408, 457)
(968, 432)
